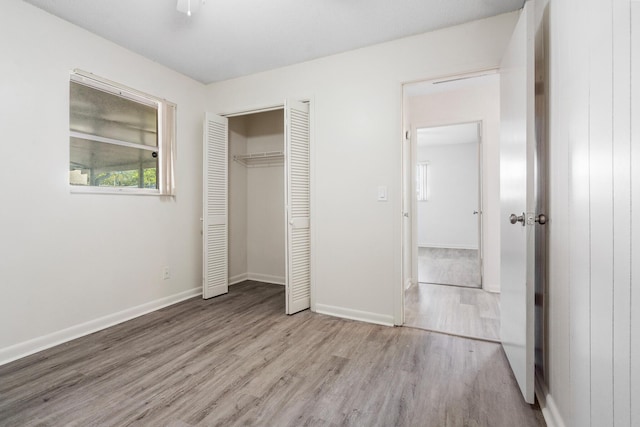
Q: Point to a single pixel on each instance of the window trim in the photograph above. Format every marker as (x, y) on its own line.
(112, 87)
(114, 190)
(166, 147)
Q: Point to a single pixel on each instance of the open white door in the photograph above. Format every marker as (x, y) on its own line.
(298, 207)
(517, 201)
(215, 277)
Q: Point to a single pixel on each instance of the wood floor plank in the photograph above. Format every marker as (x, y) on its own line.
(238, 360)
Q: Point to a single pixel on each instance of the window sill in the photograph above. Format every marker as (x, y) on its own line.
(112, 190)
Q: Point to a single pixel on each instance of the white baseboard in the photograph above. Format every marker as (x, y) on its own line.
(275, 280)
(239, 278)
(234, 280)
(445, 246)
(347, 313)
(26, 348)
(548, 406)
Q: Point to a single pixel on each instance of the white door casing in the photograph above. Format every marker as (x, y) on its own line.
(215, 227)
(407, 215)
(479, 212)
(517, 197)
(298, 207)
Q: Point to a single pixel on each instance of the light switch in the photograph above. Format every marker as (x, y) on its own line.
(382, 193)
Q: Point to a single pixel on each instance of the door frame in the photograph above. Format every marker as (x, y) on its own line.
(412, 262)
(280, 105)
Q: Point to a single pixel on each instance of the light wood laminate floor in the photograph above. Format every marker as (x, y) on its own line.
(238, 360)
(445, 266)
(455, 310)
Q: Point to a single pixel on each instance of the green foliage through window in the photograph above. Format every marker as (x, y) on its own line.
(127, 179)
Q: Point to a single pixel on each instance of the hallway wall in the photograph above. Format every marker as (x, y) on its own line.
(446, 220)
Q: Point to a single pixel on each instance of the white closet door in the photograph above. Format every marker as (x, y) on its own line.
(215, 280)
(297, 192)
(517, 201)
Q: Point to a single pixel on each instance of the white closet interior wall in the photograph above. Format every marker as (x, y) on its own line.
(237, 201)
(256, 201)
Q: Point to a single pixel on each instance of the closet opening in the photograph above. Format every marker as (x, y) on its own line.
(256, 198)
(257, 201)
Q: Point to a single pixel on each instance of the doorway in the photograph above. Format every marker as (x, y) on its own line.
(449, 182)
(514, 171)
(451, 159)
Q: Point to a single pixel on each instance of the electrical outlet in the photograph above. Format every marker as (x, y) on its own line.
(166, 274)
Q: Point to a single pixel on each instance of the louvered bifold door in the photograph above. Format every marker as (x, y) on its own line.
(298, 201)
(215, 200)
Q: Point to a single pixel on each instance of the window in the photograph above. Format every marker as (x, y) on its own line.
(422, 188)
(120, 140)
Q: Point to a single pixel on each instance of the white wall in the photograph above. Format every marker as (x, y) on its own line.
(356, 146)
(237, 201)
(446, 220)
(468, 104)
(68, 260)
(629, 296)
(592, 358)
(265, 201)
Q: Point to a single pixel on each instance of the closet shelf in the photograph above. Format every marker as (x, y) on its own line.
(267, 158)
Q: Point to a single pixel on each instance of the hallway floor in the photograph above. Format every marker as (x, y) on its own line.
(445, 266)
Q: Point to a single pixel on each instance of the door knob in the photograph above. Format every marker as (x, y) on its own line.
(513, 218)
(541, 219)
(475, 212)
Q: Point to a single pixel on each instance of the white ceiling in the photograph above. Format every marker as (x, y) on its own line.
(231, 38)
